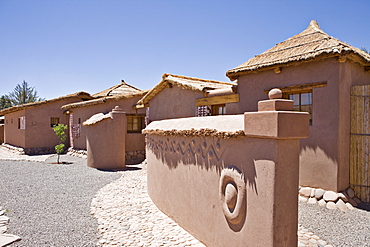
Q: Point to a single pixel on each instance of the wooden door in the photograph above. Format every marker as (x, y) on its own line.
(360, 142)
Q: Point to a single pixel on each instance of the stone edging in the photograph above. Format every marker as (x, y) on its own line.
(5, 239)
(196, 132)
(13, 149)
(345, 200)
(81, 153)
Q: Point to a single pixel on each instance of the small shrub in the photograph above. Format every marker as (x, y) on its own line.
(60, 132)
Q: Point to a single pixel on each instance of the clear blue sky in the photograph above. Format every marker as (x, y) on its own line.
(61, 47)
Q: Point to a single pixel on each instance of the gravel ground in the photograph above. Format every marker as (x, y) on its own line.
(49, 204)
(351, 228)
(51, 207)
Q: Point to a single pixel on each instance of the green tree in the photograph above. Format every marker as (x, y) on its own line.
(5, 102)
(23, 94)
(60, 132)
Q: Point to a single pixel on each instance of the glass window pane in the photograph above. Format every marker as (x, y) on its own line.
(306, 99)
(295, 98)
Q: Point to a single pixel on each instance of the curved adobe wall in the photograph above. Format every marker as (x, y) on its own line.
(226, 188)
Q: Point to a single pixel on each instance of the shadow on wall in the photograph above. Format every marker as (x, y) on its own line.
(212, 153)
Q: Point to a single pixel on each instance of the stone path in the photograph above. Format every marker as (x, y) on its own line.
(127, 217)
(8, 155)
(5, 239)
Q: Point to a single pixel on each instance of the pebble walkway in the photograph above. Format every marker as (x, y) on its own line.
(127, 217)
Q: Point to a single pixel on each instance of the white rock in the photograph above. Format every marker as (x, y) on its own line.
(322, 202)
(319, 193)
(343, 197)
(331, 205)
(312, 200)
(341, 205)
(6, 239)
(312, 193)
(302, 198)
(349, 206)
(350, 192)
(305, 191)
(330, 196)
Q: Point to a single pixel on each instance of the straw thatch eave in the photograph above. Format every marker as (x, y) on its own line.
(310, 45)
(184, 82)
(79, 95)
(122, 88)
(102, 100)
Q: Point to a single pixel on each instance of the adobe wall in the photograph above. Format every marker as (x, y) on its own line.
(1, 133)
(172, 103)
(105, 140)
(87, 111)
(320, 153)
(13, 135)
(38, 136)
(350, 74)
(227, 180)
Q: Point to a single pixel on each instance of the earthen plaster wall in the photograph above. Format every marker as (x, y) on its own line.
(38, 133)
(1, 133)
(83, 113)
(172, 103)
(185, 175)
(324, 158)
(12, 134)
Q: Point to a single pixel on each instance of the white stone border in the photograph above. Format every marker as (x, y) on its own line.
(345, 200)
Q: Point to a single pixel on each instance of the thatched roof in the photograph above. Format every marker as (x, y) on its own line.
(311, 44)
(122, 88)
(80, 95)
(183, 82)
(103, 100)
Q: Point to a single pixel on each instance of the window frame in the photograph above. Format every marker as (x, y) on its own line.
(215, 109)
(52, 123)
(287, 95)
(140, 123)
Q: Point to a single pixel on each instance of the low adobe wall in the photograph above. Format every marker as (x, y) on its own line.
(105, 139)
(230, 180)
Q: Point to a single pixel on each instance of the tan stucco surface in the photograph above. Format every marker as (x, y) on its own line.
(38, 132)
(1, 133)
(184, 179)
(324, 158)
(220, 123)
(173, 102)
(106, 141)
(83, 113)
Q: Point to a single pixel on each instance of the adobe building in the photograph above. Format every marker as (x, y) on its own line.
(179, 97)
(329, 79)
(1, 129)
(123, 95)
(30, 126)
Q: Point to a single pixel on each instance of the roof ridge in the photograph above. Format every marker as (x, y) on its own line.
(195, 79)
(289, 47)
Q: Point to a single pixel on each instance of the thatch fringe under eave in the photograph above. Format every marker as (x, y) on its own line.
(102, 100)
(184, 82)
(80, 95)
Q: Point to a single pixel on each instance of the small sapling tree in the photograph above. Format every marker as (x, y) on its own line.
(60, 132)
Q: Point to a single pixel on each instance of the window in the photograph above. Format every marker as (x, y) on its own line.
(54, 121)
(135, 124)
(218, 110)
(302, 101)
(22, 123)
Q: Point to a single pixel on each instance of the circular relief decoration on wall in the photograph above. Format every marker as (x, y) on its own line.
(232, 194)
